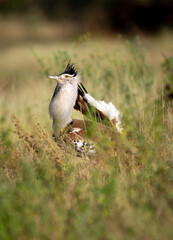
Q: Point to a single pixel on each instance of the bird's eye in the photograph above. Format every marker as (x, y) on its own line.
(66, 76)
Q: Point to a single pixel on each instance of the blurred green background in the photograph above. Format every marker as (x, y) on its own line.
(121, 15)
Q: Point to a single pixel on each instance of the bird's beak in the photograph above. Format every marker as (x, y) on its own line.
(57, 78)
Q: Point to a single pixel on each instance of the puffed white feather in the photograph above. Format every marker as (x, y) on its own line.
(108, 109)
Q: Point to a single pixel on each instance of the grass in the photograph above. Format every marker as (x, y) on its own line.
(122, 192)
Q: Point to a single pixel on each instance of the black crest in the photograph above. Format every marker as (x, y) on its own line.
(70, 69)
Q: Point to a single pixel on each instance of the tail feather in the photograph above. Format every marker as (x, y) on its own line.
(103, 110)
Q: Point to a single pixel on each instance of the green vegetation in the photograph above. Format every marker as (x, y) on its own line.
(125, 190)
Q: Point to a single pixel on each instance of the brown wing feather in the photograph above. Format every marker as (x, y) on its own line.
(70, 135)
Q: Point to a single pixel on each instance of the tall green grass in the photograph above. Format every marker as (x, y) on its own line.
(122, 192)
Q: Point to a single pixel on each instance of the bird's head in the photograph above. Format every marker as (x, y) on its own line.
(70, 74)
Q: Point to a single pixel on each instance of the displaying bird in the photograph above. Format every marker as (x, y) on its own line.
(70, 93)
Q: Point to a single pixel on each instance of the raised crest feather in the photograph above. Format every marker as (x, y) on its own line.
(71, 69)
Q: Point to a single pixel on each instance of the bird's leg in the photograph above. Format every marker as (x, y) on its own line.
(59, 140)
(58, 133)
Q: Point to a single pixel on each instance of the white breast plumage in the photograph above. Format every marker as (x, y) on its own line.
(62, 104)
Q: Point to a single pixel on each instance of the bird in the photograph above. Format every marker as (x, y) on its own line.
(71, 94)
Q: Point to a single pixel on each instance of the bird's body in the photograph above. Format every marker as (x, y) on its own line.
(70, 93)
